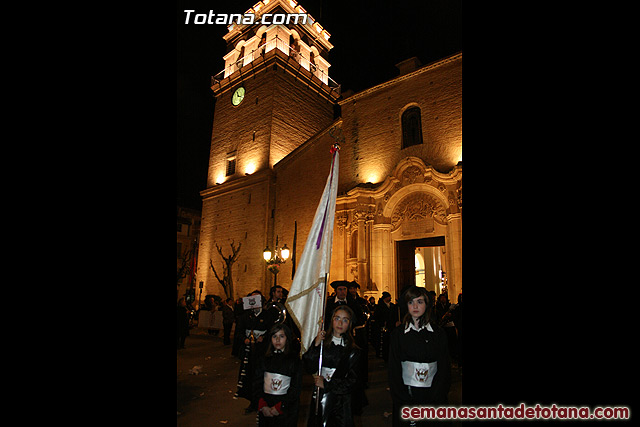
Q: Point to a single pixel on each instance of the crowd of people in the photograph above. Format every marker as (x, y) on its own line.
(418, 337)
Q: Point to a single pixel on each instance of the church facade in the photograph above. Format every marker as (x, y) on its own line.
(399, 207)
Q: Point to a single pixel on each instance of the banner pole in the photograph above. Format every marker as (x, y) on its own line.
(324, 302)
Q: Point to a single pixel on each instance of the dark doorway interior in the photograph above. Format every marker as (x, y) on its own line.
(405, 260)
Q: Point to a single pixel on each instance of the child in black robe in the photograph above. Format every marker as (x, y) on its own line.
(278, 380)
(339, 375)
(419, 366)
(253, 327)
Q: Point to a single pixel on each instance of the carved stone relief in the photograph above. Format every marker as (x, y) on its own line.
(388, 194)
(452, 200)
(411, 175)
(418, 207)
(341, 222)
(364, 212)
(411, 228)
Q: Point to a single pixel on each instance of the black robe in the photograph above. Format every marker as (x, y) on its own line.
(422, 347)
(359, 306)
(290, 366)
(183, 322)
(253, 352)
(335, 398)
(386, 318)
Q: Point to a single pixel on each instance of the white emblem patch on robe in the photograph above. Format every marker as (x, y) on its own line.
(276, 383)
(418, 374)
(327, 373)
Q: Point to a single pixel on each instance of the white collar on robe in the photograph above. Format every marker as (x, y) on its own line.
(412, 326)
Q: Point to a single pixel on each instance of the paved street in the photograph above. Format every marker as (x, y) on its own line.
(206, 399)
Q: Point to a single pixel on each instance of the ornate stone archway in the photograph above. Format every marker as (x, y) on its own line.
(415, 202)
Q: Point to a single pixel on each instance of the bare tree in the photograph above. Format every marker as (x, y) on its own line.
(185, 268)
(227, 280)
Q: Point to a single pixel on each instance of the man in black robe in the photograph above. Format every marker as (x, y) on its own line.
(387, 317)
(359, 307)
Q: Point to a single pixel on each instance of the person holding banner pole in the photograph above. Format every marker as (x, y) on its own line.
(339, 375)
(307, 296)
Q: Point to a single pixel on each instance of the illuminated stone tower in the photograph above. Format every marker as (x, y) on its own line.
(273, 95)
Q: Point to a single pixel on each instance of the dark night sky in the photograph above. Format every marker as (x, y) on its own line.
(369, 38)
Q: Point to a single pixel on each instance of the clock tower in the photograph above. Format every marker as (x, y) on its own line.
(273, 95)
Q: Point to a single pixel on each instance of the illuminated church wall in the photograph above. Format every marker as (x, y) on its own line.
(278, 114)
(239, 216)
(245, 129)
(298, 115)
(301, 178)
(380, 182)
(372, 123)
(389, 193)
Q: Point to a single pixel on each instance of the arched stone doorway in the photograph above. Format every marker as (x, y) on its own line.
(416, 202)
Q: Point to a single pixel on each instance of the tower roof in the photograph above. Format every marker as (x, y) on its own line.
(276, 31)
(312, 27)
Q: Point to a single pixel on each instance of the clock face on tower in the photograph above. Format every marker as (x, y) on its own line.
(238, 96)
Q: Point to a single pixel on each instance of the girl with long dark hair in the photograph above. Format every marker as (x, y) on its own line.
(339, 375)
(278, 380)
(419, 367)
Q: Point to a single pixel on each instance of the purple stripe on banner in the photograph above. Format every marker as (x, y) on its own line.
(324, 217)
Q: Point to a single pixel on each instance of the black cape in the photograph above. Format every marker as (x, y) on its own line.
(335, 398)
(424, 346)
(290, 366)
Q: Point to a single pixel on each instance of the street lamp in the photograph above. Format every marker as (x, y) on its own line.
(275, 258)
(284, 252)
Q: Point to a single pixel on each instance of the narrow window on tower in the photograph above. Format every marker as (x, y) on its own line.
(231, 164)
(240, 60)
(263, 42)
(411, 127)
(312, 62)
(294, 50)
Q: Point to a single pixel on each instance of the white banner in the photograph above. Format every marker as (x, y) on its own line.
(305, 303)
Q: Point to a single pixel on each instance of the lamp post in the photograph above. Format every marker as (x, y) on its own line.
(275, 258)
